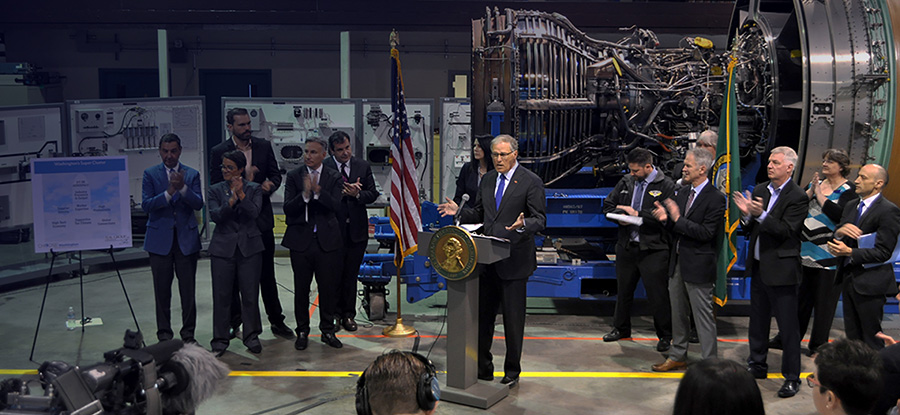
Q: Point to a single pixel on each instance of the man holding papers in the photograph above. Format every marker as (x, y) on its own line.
(642, 250)
(868, 279)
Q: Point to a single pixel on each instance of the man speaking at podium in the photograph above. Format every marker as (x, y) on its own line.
(511, 203)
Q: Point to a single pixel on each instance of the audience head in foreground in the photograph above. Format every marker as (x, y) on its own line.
(847, 379)
(715, 386)
(398, 383)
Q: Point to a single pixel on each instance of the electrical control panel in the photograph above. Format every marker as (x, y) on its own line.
(456, 141)
(26, 132)
(377, 131)
(133, 127)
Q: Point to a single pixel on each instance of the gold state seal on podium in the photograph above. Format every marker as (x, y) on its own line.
(453, 253)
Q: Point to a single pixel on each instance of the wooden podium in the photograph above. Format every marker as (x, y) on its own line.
(463, 386)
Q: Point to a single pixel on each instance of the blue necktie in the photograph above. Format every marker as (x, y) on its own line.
(637, 200)
(499, 194)
(638, 197)
(859, 212)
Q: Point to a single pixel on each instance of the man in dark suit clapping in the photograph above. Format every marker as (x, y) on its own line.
(773, 215)
(693, 255)
(867, 278)
(312, 197)
(511, 203)
(357, 190)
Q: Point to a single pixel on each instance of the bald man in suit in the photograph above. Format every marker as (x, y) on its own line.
(866, 277)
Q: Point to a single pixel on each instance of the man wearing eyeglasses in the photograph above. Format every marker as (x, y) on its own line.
(262, 168)
(847, 379)
(511, 203)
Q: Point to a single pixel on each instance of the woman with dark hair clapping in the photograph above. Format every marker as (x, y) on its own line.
(235, 249)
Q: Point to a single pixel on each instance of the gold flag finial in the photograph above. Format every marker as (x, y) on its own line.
(395, 39)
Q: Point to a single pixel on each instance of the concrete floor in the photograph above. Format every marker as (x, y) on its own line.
(568, 368)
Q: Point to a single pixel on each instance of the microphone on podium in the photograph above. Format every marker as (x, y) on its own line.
(465, 198)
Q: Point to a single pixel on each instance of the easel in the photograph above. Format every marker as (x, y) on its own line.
(54, 254)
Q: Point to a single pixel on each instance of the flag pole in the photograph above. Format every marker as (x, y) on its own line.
(398, 329)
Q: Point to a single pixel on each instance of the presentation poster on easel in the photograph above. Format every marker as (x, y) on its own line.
(80, 203)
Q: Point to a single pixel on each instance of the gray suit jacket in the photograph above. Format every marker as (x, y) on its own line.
(236, 226)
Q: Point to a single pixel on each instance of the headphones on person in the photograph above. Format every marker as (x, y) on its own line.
(428, 390)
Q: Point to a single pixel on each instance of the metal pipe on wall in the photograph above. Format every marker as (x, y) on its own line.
(162, 51)
(345, 65)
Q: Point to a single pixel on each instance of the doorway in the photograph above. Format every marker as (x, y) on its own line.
(218, 83)
(130, 83)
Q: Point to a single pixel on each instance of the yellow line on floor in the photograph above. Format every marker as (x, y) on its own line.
(18, 372)
(343, 374)
(322, 374)
(630, 375)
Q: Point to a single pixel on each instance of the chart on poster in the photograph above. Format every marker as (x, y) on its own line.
(81, 204)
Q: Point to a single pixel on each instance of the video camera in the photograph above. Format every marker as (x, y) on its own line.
(170, 377)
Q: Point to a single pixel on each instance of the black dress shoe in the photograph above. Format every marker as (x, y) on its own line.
(511, 382)
(486, 373)
(616, 335)
(663, 345)
(349, 324)
(790, 388)
(757, 373)
(219, 352)
(775, 343)
(302, 341)
(255, 348)
(694, 338)
(331, 340)
(282, 330)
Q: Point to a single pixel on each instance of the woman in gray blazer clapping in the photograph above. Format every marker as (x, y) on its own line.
(236, 243)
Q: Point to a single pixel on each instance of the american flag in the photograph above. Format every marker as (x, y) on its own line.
(405, 217)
